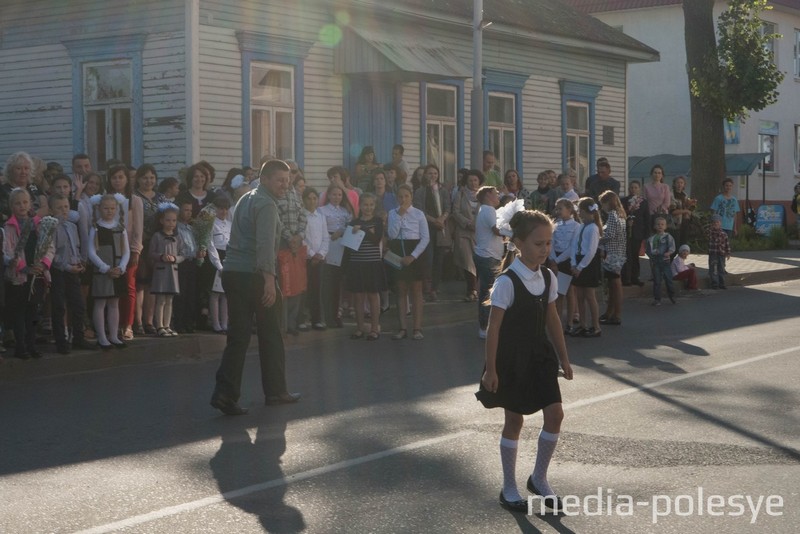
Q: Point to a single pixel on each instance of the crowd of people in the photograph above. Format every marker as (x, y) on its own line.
(127, 254)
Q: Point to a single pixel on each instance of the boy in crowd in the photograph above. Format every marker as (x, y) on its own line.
(719, 250)
(660, 247)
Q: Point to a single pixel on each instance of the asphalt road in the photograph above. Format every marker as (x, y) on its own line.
(685, 419)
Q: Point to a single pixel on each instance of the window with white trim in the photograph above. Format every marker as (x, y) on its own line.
(768, 28)
(107, 111)
(797, 53)
(272, 111)
(578, 139)
(797, 149)
(441, 130)
(503, 130)
(768, 143)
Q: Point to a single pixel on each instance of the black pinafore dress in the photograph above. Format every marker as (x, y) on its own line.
(527, 364)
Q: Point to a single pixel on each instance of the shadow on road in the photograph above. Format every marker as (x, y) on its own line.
(249, 475)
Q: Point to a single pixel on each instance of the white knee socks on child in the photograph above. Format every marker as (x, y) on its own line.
(508, 457)
(544, 453)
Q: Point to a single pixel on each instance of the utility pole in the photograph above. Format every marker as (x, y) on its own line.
(476, 123)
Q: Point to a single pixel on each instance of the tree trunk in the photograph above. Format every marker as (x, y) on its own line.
(708, 136)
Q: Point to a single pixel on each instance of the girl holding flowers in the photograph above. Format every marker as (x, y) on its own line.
(27, 253)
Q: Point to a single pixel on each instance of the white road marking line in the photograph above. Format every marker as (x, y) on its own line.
(297, 477)
(693, 374)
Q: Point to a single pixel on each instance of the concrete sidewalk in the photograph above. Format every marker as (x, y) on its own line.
(746, 268)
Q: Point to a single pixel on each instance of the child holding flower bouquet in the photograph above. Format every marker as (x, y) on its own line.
(27, 253)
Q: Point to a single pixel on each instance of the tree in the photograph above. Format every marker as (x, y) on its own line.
(726, 80)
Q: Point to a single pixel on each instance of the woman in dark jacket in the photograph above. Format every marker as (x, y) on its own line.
(638, 223)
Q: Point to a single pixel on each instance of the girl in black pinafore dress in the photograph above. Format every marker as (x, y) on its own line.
(524, 346)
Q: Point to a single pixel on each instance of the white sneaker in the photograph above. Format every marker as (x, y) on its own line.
(481, 333)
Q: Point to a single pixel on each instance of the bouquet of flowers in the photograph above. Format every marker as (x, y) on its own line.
(504, 215)
(46, 231)
(202, 227)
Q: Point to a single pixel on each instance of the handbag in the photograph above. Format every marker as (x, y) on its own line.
(292, 271)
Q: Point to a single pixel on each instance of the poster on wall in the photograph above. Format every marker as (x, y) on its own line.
(768, 217)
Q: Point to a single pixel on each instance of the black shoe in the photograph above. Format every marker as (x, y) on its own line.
(551, 501)
(723, 287)
(35, 354)
(672, 299)
(63, 349)
(104, 347)
(284, 398)
(22, 355)
(227, 406)
(514, 506)
(120, 345)
(603, 317)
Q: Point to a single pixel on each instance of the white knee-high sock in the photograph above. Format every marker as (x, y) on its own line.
(223, 311)
(544, 453)
(167, 318)
(113, 320)
(99, 319)
(508, 457)
(158, 312)
(213, 311)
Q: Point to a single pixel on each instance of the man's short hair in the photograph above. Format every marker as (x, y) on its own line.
(603, 162)
(269, 168)
(399, 147)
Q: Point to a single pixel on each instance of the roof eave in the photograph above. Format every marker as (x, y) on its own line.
(556, 41)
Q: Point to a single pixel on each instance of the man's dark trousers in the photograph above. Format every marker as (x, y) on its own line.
(244, 292)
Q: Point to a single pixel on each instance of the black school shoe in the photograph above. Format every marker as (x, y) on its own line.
(514, 506)
(551, 501)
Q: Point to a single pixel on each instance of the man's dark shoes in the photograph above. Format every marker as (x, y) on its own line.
(227, 406)
(283, 398)
(551, 501)
(63, 349)
(514, 506)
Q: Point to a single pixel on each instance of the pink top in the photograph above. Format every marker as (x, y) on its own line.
(658, 197)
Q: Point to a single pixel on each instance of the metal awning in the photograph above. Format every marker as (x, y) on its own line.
(398, 57)
(735, 164)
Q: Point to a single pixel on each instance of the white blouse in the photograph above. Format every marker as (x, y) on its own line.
(410, 225)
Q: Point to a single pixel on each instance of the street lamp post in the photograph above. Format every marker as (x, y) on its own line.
(476, 124)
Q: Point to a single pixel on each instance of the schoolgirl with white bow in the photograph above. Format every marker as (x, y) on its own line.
(165, 249)
(585, 263)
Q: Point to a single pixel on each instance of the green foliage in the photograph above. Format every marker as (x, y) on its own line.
(748, 239)
(741, 75)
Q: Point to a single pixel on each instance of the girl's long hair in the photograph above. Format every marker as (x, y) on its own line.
(610, 199)
(345, 201)
(588, 205)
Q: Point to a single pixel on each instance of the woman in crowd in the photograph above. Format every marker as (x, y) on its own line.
(465, 209)
(657, 192)
(146, 179)
(638, 229)
(198, 180)
(515, 188)
(434, 201)
(363, 171)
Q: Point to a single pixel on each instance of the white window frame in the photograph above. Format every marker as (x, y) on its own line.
(796, 53)
(576, 134)
(113, 137)
(502, 128)
(797, 149)
(769, 28)
(771, 130)
(273, 109)
(447, 172)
